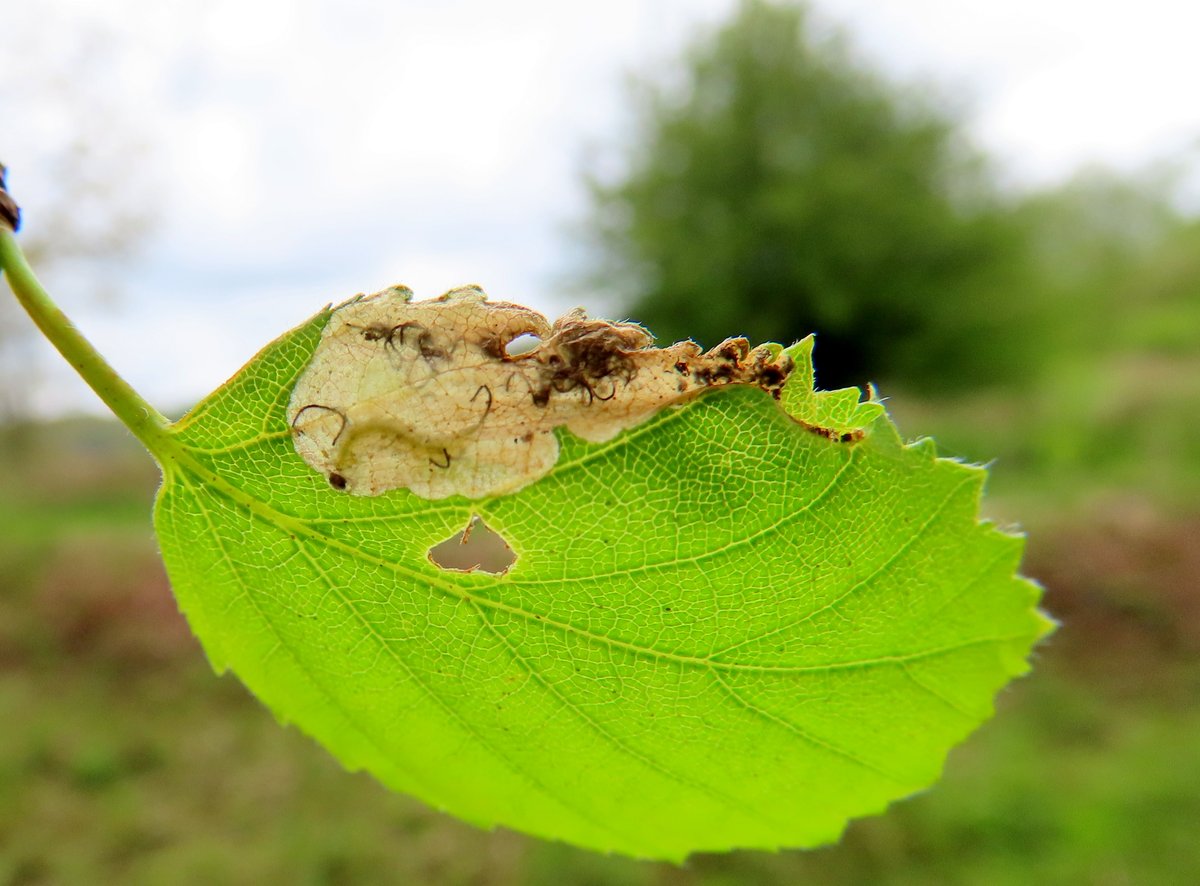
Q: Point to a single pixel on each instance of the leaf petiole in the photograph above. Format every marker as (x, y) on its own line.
(143, 420)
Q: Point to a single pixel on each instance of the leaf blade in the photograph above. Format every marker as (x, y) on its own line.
(684, 656)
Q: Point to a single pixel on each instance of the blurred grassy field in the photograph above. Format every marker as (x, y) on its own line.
(124, 760)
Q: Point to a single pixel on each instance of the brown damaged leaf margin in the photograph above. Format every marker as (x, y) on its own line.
(425, 395)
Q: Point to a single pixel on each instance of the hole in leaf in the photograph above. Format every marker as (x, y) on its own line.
(477, 548)
(522, 344)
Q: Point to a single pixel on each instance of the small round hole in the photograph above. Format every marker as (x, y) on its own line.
(522, 344)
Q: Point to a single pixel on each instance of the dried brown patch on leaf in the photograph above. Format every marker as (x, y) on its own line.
(426, 395)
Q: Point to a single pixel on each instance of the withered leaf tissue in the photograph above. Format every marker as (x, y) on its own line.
(425, 395)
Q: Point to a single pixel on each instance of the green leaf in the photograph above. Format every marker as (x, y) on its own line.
(722, 630)
(842, 411)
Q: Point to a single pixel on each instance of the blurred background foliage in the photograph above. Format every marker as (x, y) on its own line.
(782, 186)
(774, 184)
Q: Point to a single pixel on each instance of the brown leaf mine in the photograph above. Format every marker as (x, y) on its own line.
(425, 395)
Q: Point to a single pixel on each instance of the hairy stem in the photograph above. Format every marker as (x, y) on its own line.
(143, 420)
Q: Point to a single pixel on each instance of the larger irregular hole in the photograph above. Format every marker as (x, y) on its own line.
(477, 548)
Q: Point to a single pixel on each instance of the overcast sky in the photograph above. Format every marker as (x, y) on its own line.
(296, 153)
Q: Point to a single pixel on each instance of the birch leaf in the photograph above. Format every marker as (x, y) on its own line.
(720, 630)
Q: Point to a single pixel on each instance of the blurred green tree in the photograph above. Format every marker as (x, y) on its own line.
(782, 187)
